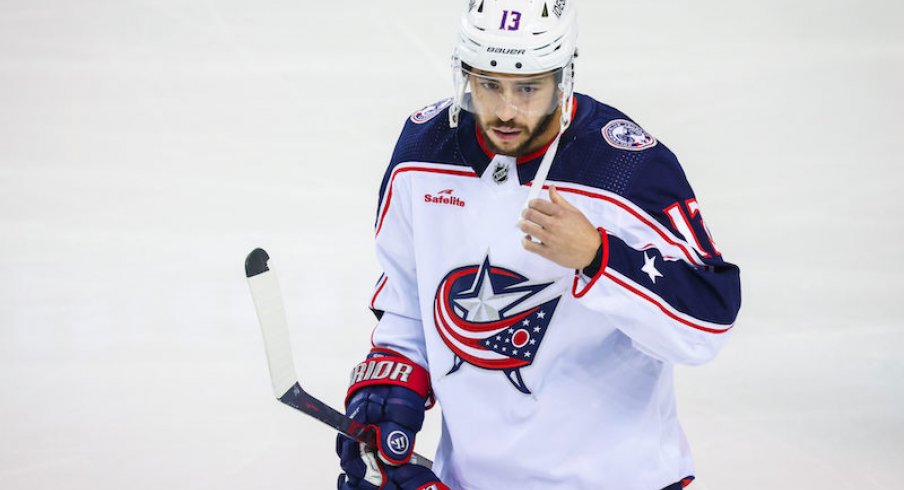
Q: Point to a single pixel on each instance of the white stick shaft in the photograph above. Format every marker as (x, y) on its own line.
(543, 171)
(275, 328)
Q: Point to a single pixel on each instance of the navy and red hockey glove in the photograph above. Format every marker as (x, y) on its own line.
(389, 393)
(378, 476)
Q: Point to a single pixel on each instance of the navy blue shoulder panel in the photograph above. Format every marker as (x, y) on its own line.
(426, 137)
(606, 150)
(597, 152)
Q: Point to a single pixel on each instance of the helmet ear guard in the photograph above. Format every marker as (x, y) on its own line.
(566, 88)
(459, 79)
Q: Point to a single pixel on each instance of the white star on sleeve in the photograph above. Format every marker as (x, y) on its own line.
(649, 267)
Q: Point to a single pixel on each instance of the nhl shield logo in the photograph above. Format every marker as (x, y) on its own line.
(626, 135)
(493, 318)
(500, 173)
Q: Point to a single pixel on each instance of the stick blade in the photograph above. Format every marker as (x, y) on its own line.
(256, 262)
(275, 328)
(272, 317)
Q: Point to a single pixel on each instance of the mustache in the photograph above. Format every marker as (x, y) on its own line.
(502, 124)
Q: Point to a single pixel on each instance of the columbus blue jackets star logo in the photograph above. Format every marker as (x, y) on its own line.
(493, 318)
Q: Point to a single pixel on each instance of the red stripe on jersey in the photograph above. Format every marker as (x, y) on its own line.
(505, 363)
(605, 261)
(663, 308)
(463, 173)
(377, 292)
(687, 253)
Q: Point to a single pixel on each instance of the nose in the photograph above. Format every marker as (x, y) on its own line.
(505, 110)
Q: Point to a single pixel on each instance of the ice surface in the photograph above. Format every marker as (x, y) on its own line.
(147, 146)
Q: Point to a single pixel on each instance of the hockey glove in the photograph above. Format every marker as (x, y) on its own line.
(388, 392)
(366, 472)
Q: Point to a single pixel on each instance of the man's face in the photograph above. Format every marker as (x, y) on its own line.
(517, 115)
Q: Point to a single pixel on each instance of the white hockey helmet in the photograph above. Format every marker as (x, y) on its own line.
(515, 37)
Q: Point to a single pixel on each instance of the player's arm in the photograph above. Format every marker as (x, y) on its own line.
(661, 279)
(390, 389)
(395, 299)
(388, 392)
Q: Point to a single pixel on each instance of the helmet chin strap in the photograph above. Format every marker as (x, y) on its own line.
(539, 181)
(565, 86)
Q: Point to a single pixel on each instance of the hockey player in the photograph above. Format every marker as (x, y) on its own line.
(547, 328)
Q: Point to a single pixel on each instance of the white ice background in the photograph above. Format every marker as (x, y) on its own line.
(147, 146)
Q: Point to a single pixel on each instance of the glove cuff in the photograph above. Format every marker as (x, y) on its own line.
(385, 367)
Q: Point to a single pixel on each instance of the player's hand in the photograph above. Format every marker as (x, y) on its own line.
(395, 414)
(380, 476)
(362, 469)
(565, 235)
(388, 394)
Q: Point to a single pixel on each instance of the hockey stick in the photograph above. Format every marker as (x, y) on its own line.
(272, 316)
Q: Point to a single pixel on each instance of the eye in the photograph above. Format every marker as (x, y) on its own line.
(528, 89)
(489, 85)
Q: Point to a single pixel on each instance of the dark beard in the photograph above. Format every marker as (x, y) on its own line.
(524, 147)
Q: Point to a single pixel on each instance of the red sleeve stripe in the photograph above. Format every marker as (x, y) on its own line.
(417, 167)
(377, 292)
(574, 287)
(638, 213)
(669, 311)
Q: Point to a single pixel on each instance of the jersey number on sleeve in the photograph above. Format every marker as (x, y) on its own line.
(681, 221)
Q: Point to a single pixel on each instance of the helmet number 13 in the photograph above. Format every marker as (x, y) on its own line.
(511, 21)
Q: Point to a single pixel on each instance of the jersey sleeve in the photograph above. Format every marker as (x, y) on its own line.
(395, 298)
(662, 280)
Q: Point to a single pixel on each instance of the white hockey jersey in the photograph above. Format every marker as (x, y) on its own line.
(547, 378)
